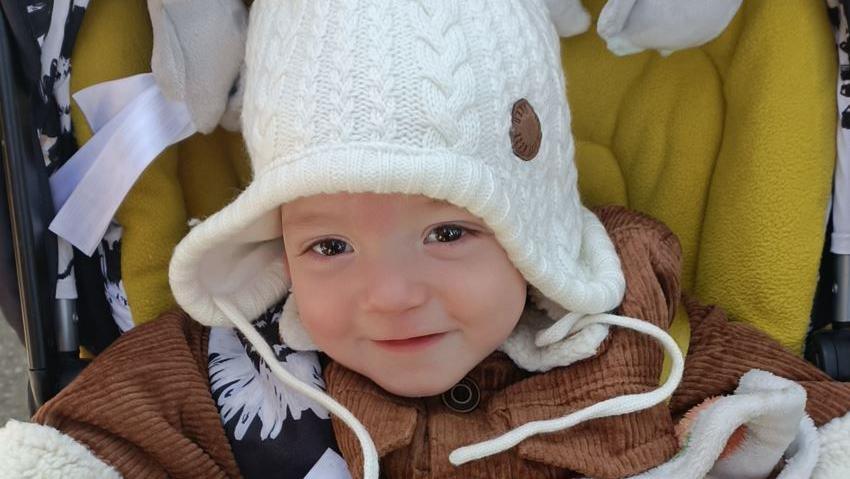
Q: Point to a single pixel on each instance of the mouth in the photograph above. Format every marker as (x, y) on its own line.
(410, 344)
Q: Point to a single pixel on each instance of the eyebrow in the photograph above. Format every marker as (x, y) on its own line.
(313, 216)
(305, 219)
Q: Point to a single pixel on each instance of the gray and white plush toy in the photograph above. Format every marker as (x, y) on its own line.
(631, 26)
(198, 50)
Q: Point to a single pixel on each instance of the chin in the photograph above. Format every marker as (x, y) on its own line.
(413, 390)
(414, 386)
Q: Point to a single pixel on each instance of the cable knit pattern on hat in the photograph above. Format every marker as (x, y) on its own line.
(407, 97)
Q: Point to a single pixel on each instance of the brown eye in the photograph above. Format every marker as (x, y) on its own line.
(446, 233)
(329, 247)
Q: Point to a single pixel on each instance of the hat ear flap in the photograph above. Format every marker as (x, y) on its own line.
(631, 26)
(569, 16)
(292, 332)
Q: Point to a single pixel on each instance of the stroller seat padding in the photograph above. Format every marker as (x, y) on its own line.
(731, 144)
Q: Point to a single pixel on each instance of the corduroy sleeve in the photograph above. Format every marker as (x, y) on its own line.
(143, 406)
(721, 352)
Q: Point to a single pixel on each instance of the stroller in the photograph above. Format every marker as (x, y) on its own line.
(680, 138)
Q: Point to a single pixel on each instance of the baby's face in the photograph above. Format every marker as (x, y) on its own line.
(408, 291)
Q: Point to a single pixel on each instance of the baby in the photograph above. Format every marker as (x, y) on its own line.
(457, 111)
(408, 291)
(416, 295)
(414, 211)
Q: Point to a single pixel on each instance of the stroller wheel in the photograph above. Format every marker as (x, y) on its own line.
(830, 351)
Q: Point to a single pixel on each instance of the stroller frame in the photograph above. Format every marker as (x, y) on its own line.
(27, 192)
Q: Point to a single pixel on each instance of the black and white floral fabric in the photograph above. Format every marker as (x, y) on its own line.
(274, 432)
(54, 25)
(109, 254)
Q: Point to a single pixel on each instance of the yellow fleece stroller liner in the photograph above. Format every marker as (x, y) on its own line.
(731, 144)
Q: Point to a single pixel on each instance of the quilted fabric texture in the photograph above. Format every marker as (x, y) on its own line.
(731, 145)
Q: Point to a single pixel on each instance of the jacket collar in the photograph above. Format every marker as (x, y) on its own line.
(511, 397)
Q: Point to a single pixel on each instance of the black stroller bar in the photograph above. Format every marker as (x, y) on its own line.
(30, 209)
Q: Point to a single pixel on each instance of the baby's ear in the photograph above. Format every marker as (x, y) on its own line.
(569, 16)
(631, 26)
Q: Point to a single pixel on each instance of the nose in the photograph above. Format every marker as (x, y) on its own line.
(393, 285)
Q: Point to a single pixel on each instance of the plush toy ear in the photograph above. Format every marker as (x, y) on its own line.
(631, 26)
(569, 16)
(198, 48)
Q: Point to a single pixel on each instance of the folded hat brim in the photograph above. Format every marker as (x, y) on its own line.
(237, 254)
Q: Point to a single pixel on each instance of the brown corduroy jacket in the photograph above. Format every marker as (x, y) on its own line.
(417, 440)
(144, 406)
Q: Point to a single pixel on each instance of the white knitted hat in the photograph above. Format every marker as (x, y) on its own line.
(415, 97)
(462, 101)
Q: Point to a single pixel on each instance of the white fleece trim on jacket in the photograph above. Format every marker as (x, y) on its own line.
(834, 460)
(30, 450)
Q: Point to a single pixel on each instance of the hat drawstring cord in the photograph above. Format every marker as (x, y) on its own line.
(370, 454)
(570, 324)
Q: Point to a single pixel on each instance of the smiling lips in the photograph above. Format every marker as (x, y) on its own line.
(410, 344)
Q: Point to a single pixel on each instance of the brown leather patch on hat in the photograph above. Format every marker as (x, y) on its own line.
(526, 134)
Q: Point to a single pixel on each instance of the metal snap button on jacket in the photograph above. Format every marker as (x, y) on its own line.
(463, 397)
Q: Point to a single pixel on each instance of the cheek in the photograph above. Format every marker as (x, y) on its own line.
(488, 295)
(324, 310)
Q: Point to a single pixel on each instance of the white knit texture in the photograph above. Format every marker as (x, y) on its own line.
(405, 96)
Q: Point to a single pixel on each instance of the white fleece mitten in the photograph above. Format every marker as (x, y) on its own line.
(631, 26)
(198, 49)
(746, 435)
